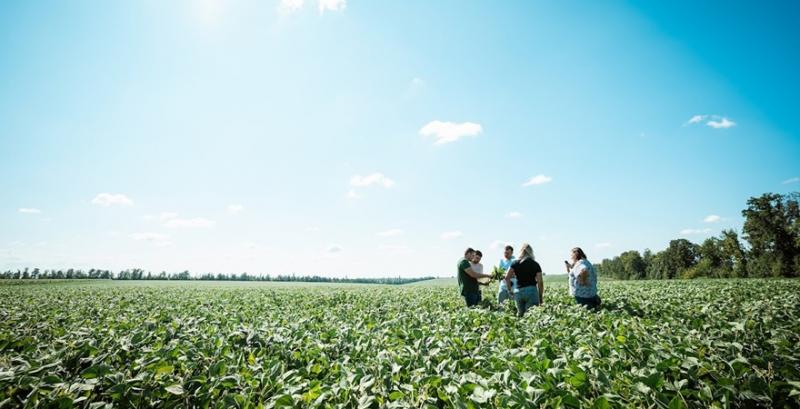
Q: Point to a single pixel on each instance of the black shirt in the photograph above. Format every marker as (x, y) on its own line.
(526, 272)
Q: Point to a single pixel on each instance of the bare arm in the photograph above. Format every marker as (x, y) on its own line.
(540, 285)
(475, 275)
(509, 274)
(583, 277)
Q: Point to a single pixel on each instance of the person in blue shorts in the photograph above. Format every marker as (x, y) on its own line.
(505, 264)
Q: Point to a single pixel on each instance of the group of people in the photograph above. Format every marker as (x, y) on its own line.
(523, 278)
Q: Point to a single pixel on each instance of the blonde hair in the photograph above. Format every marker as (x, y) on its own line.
(526, 251)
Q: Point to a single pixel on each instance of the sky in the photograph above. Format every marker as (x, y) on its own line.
(369, 139)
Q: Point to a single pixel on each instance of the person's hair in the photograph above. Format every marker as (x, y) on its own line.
(469, 250)
(478, 252)
(526, 251)
(581, 254)
(509, 248)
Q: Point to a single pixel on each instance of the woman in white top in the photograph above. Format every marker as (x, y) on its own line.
(582, 279)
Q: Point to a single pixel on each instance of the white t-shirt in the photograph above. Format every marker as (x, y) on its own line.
(478, 268)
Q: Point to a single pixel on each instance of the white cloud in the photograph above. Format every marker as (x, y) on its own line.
(603, 245)
(112, 199)
(334, 249)
(696, 119)
(723, 123)
(513, 215)
(713, 121)
(197, 222)
(249, 245)
(449, 235)
(687, 232)
(312, 229)
(374, 179)
(235, 208)
(390, 233)
(352, 194)
(290, 6)
(538, 180)
(446, 132)
(791, 180)
(331, 5)
(712, 218)
(167, 215)
(29, 210)
(158, 239)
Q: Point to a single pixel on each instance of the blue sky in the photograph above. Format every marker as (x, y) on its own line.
(382, 138)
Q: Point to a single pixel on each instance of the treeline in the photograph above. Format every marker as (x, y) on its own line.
(139, 274)
(769, 247)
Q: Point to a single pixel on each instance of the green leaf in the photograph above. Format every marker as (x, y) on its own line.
(175, 389)
(602, 403)
(677, 403)
(284, 401)
(96, 371)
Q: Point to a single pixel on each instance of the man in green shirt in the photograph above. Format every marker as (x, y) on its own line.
(468, 279)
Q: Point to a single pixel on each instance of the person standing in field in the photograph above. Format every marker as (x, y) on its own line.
(475, 263)
(468, 279)
(530, 288)
(505, 264)
(582, 279)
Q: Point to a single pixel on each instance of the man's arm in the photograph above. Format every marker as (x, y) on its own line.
(509, 274)
(470, 272)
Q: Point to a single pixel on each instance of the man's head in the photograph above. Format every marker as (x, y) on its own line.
(508, 253)
(468, 253)
(476, 258)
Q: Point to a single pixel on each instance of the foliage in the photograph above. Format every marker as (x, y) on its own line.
(772, 228)
(498, 273)
(720, 343)
(772, 232)
(139, 274)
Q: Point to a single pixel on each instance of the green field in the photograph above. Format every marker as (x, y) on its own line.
(703, 343)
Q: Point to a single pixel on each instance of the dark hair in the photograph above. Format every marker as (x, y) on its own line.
(509, 248)
(581, 254)
(478, 252)
(469, 250)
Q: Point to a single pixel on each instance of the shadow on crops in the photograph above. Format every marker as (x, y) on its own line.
(621, 306)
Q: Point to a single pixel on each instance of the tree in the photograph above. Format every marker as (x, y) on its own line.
(633, 265)
(679, 256)
(772, 228)
(734, 259)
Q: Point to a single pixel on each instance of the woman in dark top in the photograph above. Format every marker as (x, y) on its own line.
(530, 288)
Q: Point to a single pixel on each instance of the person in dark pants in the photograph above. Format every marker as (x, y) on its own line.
(468, 279)
(582, 280)
(530, 287)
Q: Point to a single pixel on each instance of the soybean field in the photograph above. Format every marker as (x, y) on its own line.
(654, 344)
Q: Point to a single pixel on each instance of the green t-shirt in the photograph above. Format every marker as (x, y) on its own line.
(466, 284)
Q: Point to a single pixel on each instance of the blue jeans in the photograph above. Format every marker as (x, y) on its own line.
(526, 297)
(472, 299)
(502, 295)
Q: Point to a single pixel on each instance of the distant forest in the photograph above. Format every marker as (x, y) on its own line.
(770, 247)
(139, 274)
